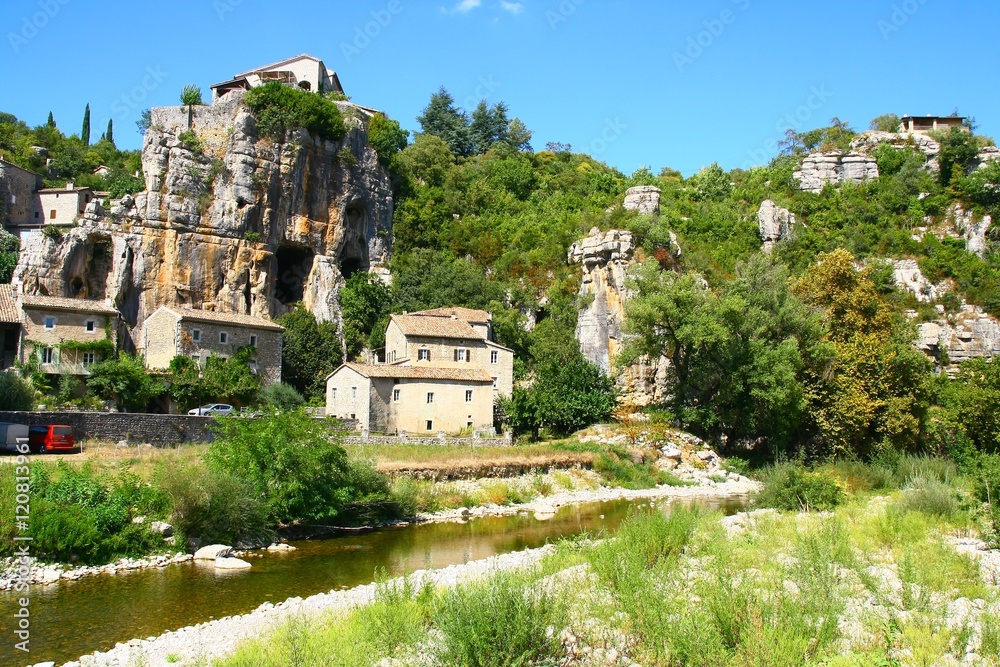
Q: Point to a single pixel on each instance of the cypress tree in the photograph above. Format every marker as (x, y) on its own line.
(51, 122)
(110, 134)
(85, 132)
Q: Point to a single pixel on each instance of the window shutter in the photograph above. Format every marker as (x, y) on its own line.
(456, 354)
(468, 356)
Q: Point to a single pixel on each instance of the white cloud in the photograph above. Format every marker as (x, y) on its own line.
(464, 7)
(512, 7)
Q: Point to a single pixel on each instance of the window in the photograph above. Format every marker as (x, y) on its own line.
(223, 337)
(468, 424)
(253, 340)
(36, 215)
(196, 335)
(468, 396)
(196, 358)
(354, 392)
(353, 416)
(494, 356)
(88, 359)
(423, 354)
(495, 383)
(395, 395)
(91, 326)
(430, 425)
(50, 323)
(333, 394)
(430, 397)
(52, 213)
(460, 355)
(48, 354)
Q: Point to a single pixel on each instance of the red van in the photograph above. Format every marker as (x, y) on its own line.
(51, 438)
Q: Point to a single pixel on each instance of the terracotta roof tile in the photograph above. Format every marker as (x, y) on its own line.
(66, 303)
(212, 317)
(467, 314)
(436, 327)
(420, 372)
(9, 313)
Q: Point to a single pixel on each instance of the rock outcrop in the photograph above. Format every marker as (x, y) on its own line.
(230, 221)
(775, 224)
(604, 260)
(970, 226)
(832, 168)
(907, 276)
(866, 142)
(642, 198)
(970, 334)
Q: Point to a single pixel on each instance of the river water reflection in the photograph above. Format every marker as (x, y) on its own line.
(94, 613)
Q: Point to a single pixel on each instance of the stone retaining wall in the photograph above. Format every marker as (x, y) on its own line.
(409, 440)
(115, 426)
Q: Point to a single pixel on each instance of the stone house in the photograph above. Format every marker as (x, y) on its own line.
(10, 327)
(452, 369)
(17, 195)
(60, 206)
(199, 334)
(924, 124)
(67, 336)
(416, 399)
(303, 71)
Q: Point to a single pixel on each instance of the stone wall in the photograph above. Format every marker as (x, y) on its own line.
(410, 440)
(115, 426)
(17, 187)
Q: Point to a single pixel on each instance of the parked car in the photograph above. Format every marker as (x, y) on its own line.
(51, 438)
(212, 409)
(10, 433)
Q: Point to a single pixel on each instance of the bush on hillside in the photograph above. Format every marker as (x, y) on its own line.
(279, 109)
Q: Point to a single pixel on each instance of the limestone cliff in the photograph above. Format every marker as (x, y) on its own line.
(230, 221)
(604, 260)
(968, 334)
(774, 224)
(832, 168)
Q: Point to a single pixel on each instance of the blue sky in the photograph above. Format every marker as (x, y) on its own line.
(678, 84)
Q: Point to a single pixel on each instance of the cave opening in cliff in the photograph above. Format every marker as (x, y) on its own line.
(354, 252)
(294, 264)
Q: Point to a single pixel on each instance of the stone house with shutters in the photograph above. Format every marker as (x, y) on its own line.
(67, 336)
(199, 334)
(302, 71)
(442, 371)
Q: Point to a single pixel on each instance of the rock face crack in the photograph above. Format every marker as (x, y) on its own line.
(239, 224)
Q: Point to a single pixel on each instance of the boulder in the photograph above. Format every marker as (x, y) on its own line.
(832, 168)
(228, 563)
(162, 527)
(775, 224)
(281, 546)
(642, 198)
(213, 551)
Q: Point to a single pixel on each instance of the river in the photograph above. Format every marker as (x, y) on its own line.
(72, 618)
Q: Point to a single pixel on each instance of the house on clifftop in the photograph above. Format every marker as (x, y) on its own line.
(303, 71)
(442, 373)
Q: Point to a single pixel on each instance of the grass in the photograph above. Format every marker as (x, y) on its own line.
(872, 581)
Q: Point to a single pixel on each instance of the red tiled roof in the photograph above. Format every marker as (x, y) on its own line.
(65, 303)
(213, 317)
(419, 372)
(467, 314)
(9, 313)
(436, 327)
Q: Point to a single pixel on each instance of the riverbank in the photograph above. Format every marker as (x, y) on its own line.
(873, 582)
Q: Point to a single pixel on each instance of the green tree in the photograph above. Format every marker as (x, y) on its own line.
(51, 122)
(885, 123)
(10, 245)
(85, 132)
(125, 381)
(443, 119)
(232, 379)
(564, 397)
(386, 137)
(186, 387)
(280, 396)
(365, 303)
(431, 279)
(191, 95)
(291, 461)
(310, 351)
(519, 136)
(489, 125)
(959, 148)
(16, 392)
(110, 134)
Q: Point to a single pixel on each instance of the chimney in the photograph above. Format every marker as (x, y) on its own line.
(69, 185)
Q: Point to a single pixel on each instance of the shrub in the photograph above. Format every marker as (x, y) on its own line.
(498, 622)
(52, 232)
(617, 468)
(16, 392)
(790, 486)
(280, 108)
(281, 396)
(252, 237)
(213, 505)
(931, 496)
(191, 141)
